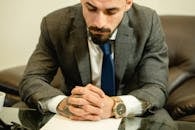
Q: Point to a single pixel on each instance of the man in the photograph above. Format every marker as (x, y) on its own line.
(72, 38)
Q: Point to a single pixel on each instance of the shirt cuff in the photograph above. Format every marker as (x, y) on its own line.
(53, 103)
(133, 105)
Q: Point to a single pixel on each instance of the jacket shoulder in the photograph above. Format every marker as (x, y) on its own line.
(141, 10)
(141, 17)
(58, 24)
(64, 14)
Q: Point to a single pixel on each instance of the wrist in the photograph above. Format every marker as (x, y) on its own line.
(63, 108)
(62, 104)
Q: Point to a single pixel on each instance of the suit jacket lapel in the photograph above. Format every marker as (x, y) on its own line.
(79, 39)
(124, 45)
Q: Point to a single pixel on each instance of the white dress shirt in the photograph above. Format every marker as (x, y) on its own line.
(133, 105)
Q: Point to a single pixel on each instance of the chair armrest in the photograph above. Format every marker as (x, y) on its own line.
(181, 102)
(10, 78)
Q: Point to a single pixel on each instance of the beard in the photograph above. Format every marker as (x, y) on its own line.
(99, 35)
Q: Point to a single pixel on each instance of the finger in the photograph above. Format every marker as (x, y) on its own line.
(78, 90)
(96, 90)
(93, 99)
(82, 90)
(89, 95)
(74, 100)
(77, 111)
(93, 110)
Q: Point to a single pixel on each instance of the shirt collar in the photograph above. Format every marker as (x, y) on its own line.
(113, 37)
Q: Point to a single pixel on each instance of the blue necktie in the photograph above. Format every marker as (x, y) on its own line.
(108, 75)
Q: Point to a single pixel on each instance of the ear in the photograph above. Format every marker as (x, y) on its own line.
(128, 4)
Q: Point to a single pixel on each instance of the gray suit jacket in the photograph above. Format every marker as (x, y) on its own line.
(141, 60)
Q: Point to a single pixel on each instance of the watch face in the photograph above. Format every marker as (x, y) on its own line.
(121, 109)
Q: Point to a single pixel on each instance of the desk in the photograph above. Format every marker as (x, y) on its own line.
(30, 119)
(25, 119)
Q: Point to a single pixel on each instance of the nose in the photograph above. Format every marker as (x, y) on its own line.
(100, 20)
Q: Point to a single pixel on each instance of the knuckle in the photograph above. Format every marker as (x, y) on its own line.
(88, 85)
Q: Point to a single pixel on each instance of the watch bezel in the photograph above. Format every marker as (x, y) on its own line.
(118, 104)
(120, 111)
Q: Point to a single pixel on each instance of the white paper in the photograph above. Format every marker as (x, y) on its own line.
(58, 122)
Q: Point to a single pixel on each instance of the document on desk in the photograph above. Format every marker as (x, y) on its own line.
(58, 122)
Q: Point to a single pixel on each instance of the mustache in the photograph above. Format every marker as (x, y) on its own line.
(102, 30)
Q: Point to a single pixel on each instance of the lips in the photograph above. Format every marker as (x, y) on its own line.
(98, 32)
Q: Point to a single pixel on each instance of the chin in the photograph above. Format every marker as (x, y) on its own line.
(100, 39)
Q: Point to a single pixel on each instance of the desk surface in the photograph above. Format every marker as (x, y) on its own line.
(30, 119)
(23, 119)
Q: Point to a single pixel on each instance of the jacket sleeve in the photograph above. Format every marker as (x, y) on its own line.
(153, 68)
(39, 72)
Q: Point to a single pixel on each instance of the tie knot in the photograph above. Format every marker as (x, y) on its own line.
(106, 48)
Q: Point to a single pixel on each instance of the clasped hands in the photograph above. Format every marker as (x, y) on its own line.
(86, 103)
